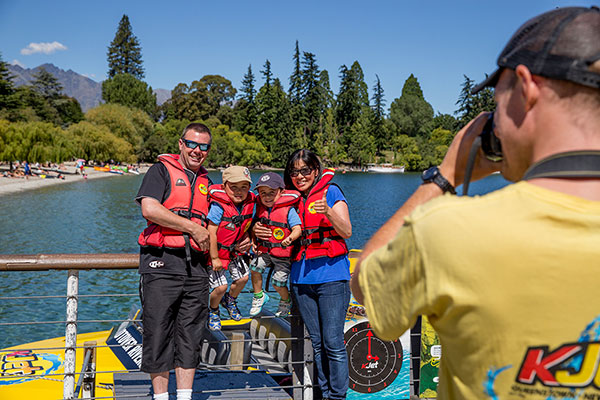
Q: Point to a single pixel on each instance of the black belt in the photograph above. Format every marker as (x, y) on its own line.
(572, 164)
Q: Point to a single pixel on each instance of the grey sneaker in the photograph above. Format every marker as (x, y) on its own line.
(257, 304)
(284, 308)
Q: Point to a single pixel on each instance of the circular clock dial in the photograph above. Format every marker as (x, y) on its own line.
(374, 363)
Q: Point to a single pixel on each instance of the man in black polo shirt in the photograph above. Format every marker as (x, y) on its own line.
(173, 277)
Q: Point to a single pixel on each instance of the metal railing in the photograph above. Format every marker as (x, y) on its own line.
(82, 384)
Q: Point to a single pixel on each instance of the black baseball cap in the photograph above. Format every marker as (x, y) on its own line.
(559, 44)
(270, 179)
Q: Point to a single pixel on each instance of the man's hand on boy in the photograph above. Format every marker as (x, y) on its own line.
(261, 231)
(217, 265)
(287, 241)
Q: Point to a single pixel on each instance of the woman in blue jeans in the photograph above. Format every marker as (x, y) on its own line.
(320, 274)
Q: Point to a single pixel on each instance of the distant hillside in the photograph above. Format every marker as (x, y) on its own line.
(87, 91)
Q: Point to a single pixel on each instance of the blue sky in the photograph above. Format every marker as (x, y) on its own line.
(437, 41)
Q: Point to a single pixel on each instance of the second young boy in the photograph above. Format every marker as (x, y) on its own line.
(276, 210)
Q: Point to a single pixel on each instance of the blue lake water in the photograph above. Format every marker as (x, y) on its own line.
(100, 216)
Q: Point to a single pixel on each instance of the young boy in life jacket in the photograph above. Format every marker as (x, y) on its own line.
(275, 209)
(229, 218)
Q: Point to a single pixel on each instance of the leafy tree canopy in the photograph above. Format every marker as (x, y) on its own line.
(127, 90)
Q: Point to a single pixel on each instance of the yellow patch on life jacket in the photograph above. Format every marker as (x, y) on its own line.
(311, 208)
(202, 188)
(278, 233)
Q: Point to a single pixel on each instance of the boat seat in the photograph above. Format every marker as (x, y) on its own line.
(266, 326)
(213, 351)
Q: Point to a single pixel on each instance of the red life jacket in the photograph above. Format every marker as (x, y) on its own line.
(233, 224)
(183, 201)
(319, 238)
(277, 220)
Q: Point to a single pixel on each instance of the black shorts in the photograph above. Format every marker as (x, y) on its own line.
(175, 309)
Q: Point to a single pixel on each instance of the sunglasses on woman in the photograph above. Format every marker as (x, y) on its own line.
(192, 145)
(303, 171)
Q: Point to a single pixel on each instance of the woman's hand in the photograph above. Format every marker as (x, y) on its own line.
(321, 206)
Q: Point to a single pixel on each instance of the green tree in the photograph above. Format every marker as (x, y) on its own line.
(312, 98)
(274, 123)
(445, 121)
(233, 147)
(408, 152)
(411, 113)
(267, 73)
(471, 105)
(34, 141)
(295, 92)
(97, 142)
(130, 124)
(352, 98)
(125, 53)
(362, 145)
(245, 109)
(7, 88)
(46, 84)
(380, 132)
(127, 90)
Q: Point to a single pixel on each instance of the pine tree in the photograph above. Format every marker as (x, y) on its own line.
(46, 84)
(267, 74)
(470, 105)
(295, 92)
(411, 113)
(380, 132)
(248, 91)
(124, 53)
(7, 88)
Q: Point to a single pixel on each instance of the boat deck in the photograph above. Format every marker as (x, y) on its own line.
(207, 385)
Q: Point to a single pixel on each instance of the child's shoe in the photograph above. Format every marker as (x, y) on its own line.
(284, 308)
(214, 320)
(257, 304)
(231, 306)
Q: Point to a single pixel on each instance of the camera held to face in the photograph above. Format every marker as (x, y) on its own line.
(490, 144)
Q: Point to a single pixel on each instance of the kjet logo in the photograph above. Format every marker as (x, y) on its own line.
(265, 178)
(156, 264)
(569, 371)
(180, 182)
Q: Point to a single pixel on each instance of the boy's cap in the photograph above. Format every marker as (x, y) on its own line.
(236, 174)
(559, 44)
(270, 179)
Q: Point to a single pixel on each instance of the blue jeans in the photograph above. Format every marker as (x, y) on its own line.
(323, 308)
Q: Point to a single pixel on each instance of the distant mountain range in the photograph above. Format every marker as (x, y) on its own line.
(87, 91)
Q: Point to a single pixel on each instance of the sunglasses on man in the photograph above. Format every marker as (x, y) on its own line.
(192, 145)
(303, 171)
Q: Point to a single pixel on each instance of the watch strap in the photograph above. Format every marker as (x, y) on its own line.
(439, 180)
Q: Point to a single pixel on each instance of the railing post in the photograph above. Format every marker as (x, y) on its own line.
(301, 351)
(71, 334)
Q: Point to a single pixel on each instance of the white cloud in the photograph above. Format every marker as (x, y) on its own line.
(46, 48)
(19, 63)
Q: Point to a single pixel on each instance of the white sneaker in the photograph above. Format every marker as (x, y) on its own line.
(284, 308)
(257, 304)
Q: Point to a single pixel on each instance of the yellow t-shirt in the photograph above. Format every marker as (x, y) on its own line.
(511, 283)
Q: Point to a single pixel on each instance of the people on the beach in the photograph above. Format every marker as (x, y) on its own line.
(229, 218)
(174, 285)
(275, 210)
(508, 280)
(320, 272)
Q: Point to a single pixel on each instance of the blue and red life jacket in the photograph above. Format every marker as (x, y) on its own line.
(234, 223)
(319, 238)
(276, 219)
